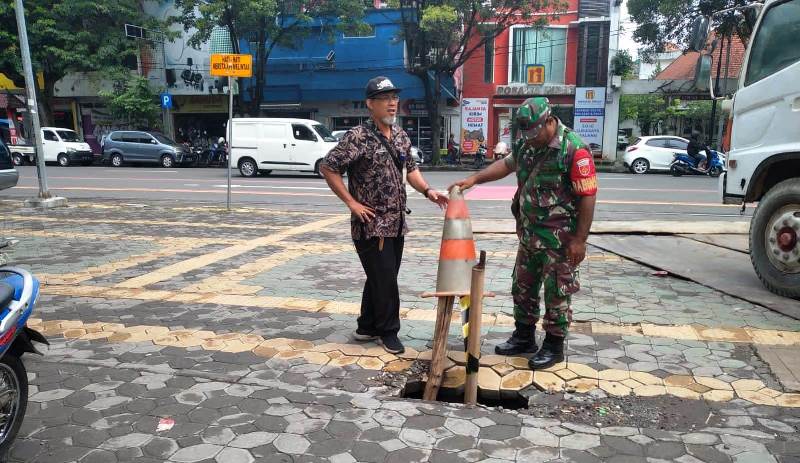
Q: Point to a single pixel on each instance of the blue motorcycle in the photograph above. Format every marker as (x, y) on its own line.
(682, 164)
(19, 292)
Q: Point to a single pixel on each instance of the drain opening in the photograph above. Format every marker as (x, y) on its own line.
(414, 389)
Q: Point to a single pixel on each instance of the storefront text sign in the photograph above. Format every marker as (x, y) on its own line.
(590, 104)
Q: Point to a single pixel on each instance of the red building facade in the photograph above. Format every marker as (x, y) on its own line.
(498, 72)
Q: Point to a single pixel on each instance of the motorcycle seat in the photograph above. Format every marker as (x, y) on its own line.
(6, 295)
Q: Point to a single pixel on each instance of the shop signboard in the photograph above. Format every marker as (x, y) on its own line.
(590, 104)
(474, 123)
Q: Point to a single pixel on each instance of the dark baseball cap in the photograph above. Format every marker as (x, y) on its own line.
(378, 85)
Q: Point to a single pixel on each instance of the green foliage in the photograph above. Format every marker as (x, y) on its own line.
(133, 101)
(646, 110)
(623, 65)
(70, 36)
(659, 22)
(441, 35)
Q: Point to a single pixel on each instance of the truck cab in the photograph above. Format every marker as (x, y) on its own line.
(763, 138)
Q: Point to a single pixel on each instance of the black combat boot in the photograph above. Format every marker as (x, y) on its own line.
(552, 352)
(522, 341)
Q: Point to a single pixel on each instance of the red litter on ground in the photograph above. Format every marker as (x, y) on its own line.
(165, 424)
(660, 273)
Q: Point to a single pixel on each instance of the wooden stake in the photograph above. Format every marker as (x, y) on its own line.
(444, 312)
(474, 331)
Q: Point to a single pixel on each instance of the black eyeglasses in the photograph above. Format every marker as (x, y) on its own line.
(387, 97)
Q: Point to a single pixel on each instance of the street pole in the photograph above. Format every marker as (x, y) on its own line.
(33, 109)
(230, 135)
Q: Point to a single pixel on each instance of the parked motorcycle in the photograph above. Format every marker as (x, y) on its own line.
(19, 292)
(682, 164)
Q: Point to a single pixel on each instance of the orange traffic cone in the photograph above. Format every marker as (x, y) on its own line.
(457, 254)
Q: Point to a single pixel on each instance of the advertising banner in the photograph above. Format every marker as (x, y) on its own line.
(590, 104)
(474, 123)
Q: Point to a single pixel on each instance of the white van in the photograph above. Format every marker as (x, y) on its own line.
(65, 147)
(261, 145)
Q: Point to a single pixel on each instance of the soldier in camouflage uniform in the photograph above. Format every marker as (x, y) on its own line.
(553, 207)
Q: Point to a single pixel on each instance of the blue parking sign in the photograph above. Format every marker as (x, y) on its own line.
(166, 101)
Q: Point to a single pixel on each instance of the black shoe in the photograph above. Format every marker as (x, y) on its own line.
(552, 352)
(392, 344)
(522, 341)
(361, 335)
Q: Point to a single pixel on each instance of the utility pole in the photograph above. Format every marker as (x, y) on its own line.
(45, 199)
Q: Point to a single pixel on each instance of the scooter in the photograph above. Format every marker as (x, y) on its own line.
(682, 164)
(19, 292)
(480, 156)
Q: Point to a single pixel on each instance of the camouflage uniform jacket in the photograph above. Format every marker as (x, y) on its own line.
(545, 203)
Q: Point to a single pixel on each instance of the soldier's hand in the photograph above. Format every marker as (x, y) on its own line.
(576, 251)
(463, 184)
(364, 213)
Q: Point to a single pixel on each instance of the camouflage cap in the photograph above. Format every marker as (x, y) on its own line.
(532, 115)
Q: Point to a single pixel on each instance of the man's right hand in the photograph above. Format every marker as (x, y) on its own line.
(364, 213)
(463, 184)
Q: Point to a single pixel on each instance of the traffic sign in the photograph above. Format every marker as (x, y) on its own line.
(535, 73)
(166, 101)
(231, 65)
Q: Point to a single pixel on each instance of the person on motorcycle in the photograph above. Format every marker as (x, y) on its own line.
(452, 148)
(500, 150)
(696, 145)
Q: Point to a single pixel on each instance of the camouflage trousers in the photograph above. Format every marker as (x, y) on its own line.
(535, 268)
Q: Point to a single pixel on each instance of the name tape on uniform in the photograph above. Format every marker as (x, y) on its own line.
(226, 64)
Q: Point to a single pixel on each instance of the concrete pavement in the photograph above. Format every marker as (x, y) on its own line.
(235, 326)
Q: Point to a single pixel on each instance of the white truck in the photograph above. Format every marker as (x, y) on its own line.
(763, 144)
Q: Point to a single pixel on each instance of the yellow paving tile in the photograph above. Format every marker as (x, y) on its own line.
(398, 366)
(370, 363)
(632, 383)
(265, 351)
(683, 392)
(646, 378)
(770, 392)
(757, 398)
(747, 385)
(548, 381)
(516, 380)
(454, 377)
(649, 391)
(194, 263)
(583, 371)
(788, 400)
(717, 395)
(614, 375)
(582, 385)
(75, 333)
(489, 383)
(698, 388)
(614, 388)
(409, 354)
(492, 360)
(503, 369)
(342, 361)
(713, 383)
(723, 334)
(679, 380)
(609, 328)
(672, 332)
(520, 363)
(566, 374)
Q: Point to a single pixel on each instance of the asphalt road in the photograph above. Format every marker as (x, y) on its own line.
(621, 196)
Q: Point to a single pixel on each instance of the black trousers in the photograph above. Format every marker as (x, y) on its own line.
(380, 301)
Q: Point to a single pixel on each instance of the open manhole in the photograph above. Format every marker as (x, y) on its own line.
(415, 388)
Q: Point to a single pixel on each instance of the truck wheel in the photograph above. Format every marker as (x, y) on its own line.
(775, 239)
(16, 158)
(63, 160)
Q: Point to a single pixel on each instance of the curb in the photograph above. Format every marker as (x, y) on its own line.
(604, 168)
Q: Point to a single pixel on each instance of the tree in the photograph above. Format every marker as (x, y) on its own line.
(646, 110)
(659, 22)
(133, 101)
(441, 35)
(69, 36)
(623, 65)
(268, 24)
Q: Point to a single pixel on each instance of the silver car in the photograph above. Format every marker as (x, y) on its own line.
(128, 146)
(8, 174)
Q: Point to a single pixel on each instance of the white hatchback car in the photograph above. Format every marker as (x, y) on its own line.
(653, 153)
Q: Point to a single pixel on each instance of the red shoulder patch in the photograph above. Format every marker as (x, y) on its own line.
(583, 174)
